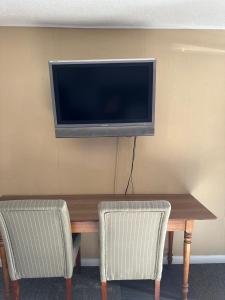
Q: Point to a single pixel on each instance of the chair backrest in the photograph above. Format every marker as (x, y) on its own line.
(37, 238)
(132, 237)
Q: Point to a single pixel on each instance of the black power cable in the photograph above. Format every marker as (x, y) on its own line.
(132, 164)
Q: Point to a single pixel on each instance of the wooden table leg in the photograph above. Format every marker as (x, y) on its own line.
(5, 272)
(170, 248)
(186, 254)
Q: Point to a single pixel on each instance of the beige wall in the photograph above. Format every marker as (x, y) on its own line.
(187, 153)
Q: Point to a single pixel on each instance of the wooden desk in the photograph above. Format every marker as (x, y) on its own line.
(84, 218)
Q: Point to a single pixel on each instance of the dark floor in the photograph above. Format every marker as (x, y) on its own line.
(207, 282)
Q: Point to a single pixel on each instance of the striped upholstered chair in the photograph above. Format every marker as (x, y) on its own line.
(132, 237)
(38, 241)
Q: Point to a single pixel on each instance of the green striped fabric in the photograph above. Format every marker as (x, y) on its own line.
(132, 238)
(37, 237)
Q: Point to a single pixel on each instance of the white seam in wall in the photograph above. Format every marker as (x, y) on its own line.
(195, 259)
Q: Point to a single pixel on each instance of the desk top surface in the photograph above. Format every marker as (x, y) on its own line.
(83, 208)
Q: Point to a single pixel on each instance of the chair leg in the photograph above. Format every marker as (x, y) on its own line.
(69, 289)
(78, 262)
(170, 248)
(15, 290)
(157, 289)
(104, 290)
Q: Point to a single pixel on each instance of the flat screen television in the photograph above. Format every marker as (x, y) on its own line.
(113, 97)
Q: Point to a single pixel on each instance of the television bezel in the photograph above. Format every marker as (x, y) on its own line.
(103, 129)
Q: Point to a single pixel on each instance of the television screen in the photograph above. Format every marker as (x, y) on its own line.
(103, 93)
